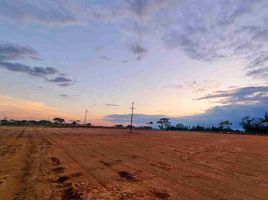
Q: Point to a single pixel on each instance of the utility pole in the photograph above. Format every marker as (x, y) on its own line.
(131, 119)
(85, 120)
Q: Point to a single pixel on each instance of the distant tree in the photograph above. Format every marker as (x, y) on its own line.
(198, 128)
(180, 127)
(119, 126)
(12, 121)
(59, 120)
(164, 123)
(225, 125)
(75, 122)
(4, 122)
(214, 129)
(171, 128)
(246, 123)
(43, 122)
(265, 123)
(265, 119)
(147, 127)
(253, 125)
(128, 126)
(149, 123)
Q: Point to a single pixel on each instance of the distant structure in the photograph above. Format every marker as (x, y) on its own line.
(131, 119)
(85, 120)
(5, 117)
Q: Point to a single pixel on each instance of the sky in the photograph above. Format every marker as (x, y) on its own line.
(196, 62)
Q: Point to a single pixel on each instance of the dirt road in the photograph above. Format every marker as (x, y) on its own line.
(50, 163)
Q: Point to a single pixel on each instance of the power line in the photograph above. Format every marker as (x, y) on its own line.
(131, 119)
(85, 120)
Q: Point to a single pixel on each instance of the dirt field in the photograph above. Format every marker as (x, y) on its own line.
(44, 163)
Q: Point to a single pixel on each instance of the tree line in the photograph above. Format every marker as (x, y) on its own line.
(249, 125)
(57, 121)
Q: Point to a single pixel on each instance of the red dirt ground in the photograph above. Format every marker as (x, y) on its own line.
(59, 163)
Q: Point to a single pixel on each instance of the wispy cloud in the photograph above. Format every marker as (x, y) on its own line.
(245, 95)
(111, 105)
(222, 35)
(230, 28)
(144, 8)
(38, 11)
(35, 71)
(259, 73)
(105, 58)
(15, 52)
(199, 86)
(137, 49)
(64, 95)
(258, 67)
(10, 53)
(62, 81)
(173, 86)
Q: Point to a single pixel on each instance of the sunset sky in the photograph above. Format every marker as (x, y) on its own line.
(193, 61)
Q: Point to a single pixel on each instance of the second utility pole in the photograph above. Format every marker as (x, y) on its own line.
(131, 120)
(85, 120)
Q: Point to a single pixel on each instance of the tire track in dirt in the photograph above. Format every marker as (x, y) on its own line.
(63, 182)
(132, 172)
(136, 174)
(70, 192)
(121, 174)
(127, 173)
(57, 145)
(109, 163)
(26, 189)
(203, 191)
(31, 179)
(59, 185)
(196, 165)
(10, 153)
(180, 183)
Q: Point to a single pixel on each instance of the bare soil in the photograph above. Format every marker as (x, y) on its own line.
(78, 164)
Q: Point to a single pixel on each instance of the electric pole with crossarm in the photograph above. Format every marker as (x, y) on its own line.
(131, 119)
